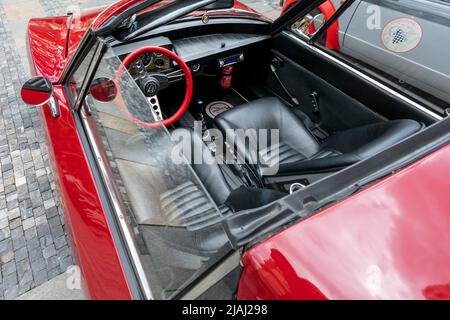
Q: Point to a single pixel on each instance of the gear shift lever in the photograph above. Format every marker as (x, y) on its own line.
(200, 106)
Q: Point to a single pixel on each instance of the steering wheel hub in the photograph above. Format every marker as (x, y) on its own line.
(151, 86)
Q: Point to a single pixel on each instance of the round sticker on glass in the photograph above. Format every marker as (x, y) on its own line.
(402, 35)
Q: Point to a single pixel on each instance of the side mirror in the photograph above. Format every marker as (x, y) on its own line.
(103, 89)
(309, 25)
(318, 21)
(37, 91)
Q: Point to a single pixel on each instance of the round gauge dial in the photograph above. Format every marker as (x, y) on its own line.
(160, 63)
(147, 59)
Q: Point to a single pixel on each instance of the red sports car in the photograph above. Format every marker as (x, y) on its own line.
(203, 151)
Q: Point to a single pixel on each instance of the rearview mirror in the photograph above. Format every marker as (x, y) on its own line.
(37, 91)
(103, 89)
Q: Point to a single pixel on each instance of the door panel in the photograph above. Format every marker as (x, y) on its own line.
(336, 111)
(347, 98)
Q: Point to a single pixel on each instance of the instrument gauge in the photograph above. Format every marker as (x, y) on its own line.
(147, 59)
(160, 63)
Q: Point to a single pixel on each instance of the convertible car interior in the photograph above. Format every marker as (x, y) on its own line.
(326, 118)
(321, 128)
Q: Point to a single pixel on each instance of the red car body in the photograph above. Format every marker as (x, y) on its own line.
(389, 245)
(385, 242)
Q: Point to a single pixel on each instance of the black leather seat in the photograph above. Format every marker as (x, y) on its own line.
(299, 151)
(224, 186)
(188, 203)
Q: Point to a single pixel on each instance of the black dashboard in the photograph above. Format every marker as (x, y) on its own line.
(214, 45)
(223, 48)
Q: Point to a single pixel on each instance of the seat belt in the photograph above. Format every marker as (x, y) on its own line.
(314, 128)
(243, 171)
(293, 99)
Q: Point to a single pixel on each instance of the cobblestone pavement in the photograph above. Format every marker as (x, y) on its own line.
(33, 243)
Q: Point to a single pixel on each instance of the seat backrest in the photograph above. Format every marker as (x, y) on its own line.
(270, 114)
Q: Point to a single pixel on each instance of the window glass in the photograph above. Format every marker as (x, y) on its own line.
(402, 41)
(77, 78)
(175, 222)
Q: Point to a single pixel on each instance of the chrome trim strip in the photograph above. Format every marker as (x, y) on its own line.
(124, 226)
(366, 77)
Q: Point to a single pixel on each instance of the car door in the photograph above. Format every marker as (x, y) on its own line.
(396, 36)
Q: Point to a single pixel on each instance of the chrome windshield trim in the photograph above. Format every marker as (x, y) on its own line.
(120, 215)
(366, 77)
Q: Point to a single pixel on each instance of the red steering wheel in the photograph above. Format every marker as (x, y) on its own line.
(154, 82)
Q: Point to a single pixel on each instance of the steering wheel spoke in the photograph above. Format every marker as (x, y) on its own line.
(175, 76)
(155, 108)
(140, 68)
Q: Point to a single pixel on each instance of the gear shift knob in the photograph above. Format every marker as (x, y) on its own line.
(200, 105)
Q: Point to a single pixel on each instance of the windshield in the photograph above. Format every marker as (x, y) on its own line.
(176, 224)
(268, 8)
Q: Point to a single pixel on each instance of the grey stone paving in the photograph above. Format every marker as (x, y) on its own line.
(33, 242)
(54, 8)
(54, 289)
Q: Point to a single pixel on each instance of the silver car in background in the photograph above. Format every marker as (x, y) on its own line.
(394, 37)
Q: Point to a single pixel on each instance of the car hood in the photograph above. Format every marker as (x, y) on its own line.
(47, 46)
(53, 40)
